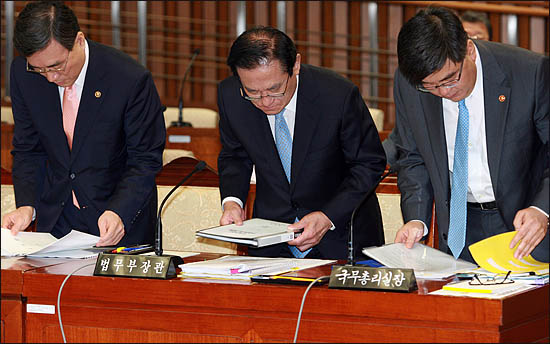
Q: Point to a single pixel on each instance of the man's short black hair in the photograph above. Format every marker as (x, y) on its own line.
(261, 45)
(41, 21)
(427, 40)
(478, 17)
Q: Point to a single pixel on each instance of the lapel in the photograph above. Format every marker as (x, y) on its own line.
(52, 117)
(93, 93)
(433, 117)
(495, 86)
(305, 125)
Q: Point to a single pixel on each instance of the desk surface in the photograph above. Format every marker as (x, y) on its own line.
(109, 309)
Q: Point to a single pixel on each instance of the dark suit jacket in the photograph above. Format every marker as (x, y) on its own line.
(117, 148)
(336, 157)
(517, 138)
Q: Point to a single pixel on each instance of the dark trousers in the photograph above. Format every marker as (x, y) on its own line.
(70, 218)
(481, 224)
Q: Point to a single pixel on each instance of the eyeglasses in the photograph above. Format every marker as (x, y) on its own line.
(272, 95)
(31, 68)
(448, 84)
(491, 280)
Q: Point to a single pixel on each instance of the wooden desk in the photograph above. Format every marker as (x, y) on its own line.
(203, 142)
(107, 309)
(13, 305)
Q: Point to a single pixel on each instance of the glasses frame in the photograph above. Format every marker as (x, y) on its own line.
(492, 281)
(448, 84)
(45, 70)
(273, 95)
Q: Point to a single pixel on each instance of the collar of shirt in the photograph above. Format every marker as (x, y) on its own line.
(79, 83)
(290, 112)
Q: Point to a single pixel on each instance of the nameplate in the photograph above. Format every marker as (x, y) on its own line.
(139, 266)
(179, 138)
(368, 278)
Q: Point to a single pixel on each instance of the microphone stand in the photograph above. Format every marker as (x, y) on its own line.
(180, 122)
(351, 258)
(158, 239)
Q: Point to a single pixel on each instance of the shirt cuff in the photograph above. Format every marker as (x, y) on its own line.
(425, 227)
(539, 209)
(33, 214)
(234, 199)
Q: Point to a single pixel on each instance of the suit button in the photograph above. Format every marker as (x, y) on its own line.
(72, 176)
(295, 205)
(62, 204)
(445, 236)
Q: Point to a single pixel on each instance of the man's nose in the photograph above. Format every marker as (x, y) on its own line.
(266, 100)
(51, 76)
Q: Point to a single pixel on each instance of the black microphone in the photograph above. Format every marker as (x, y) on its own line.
(158, 239)
(180, 122)
(351, 260)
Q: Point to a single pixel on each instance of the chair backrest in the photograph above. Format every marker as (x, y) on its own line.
(7, 115)
(198, 117)
(378, 118)
(8, 199)
(389, 198)
(169, 155)
(191, 207)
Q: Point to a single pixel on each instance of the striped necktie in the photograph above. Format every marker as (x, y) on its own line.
(283, 141)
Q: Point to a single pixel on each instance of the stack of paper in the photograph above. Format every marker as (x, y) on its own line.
(427, 262)
(242, 268)
(496, 291)
(44, 245)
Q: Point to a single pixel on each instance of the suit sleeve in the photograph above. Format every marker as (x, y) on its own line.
(28, 155)
(413, 179)
(542, 119)
(145, 139)
(364, 158)
(234, 164)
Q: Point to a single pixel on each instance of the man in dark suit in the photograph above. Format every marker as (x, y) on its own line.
(472, 133)
(89, 133)
(336, 154)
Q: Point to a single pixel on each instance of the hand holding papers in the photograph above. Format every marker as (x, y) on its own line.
(44, 245)
(427, 262)
(493, 254)
(255, 232)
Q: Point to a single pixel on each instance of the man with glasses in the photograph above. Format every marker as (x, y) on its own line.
(89, 133)
(472, 133)
(312, 141)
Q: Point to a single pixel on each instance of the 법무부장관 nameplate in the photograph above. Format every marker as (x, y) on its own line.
(369, 278)
(139, 266)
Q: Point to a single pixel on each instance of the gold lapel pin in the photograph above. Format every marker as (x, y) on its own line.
(501, 98)
(97, 94)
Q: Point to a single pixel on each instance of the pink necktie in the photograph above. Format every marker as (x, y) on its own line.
(70, 110)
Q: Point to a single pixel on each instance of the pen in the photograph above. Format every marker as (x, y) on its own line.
(293, 278)
(118, 249)
(129, 249)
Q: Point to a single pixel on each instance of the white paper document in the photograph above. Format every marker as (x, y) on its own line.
(243, 267)
(427, 262)
(44, 245)
(255, 232)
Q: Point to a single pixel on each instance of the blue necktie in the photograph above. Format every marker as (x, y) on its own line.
(283, 140)
(459, 189)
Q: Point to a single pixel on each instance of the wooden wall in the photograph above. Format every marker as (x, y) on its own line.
(334, 34)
